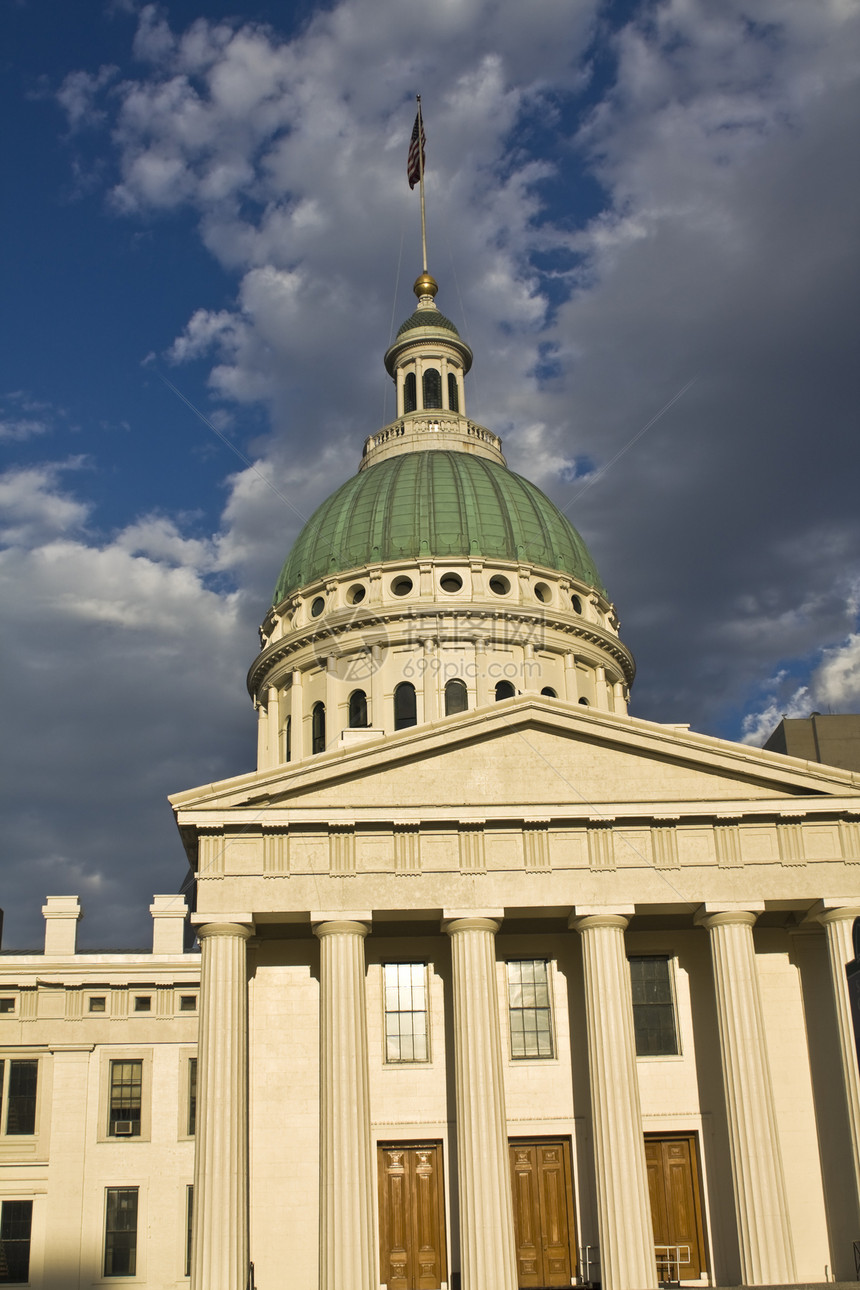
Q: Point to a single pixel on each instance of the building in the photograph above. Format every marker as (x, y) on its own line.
(499, 985)
(834, 739)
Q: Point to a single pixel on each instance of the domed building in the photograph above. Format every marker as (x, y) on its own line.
(497, 985)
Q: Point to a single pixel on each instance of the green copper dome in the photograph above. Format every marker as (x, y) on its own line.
(427, 318)
(431, 503)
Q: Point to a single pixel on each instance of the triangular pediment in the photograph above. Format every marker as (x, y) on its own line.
(529, 753)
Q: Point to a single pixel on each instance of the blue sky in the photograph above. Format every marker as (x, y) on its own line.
(625, 203)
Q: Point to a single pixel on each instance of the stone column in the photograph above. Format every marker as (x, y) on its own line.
(220, 1242)
(432, 681)
(482, 681)
(838, 922)
(764, 1236)
(64, 1203)
(348, 1258)
(571, 683)
(297, 718)
(262, 735)
(623, 1204)
(487, 1248)
(273, 711)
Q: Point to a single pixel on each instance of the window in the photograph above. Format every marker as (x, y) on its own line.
(143, 1003)
(456, 698)
(653, 1006)
(504, 690)
(188, 1003)
(189, 1219)
(318, 728)
(126, 1087)
(98, 1003)
(192, 1096)
(18, 1082)
(357, 710)
(288, 740)
(432, 383)
(410, 398)
(549, 692)
(405, 712)
(405, 1012)
(16, 1221)
(529, 1008)
(7, 1005)
(453, 393)
(120, 1232)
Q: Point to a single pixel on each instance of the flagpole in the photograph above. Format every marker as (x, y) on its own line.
(421, 180)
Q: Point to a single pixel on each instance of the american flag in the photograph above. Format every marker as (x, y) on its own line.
(415, 164)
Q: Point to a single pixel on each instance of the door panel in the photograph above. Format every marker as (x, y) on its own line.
(673, 1184)
(543, 1213)
(411, 1217)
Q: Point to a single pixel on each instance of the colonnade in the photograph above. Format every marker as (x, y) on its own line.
(348, 1247)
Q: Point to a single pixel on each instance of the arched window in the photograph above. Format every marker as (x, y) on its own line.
(318, 728)
(549, 692)
(405, 712)
(504, 690)
(584, 702)
(410, 398)
(357, 710)
(432, 388)
(288, 740)
(453, 393)
(456, 698)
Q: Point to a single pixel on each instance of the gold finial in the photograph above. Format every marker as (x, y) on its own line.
(425, 285)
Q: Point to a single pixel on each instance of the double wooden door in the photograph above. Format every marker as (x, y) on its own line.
(411, 1216)
(543, 1212)
(676, 1209)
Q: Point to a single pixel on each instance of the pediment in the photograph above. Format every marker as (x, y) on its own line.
(531, 754)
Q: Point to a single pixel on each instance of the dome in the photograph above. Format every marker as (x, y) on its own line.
(427, 318)
(435, 504)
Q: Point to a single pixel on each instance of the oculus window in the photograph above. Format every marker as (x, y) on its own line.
(405, 989)
(529, 1009)
(653, 1006)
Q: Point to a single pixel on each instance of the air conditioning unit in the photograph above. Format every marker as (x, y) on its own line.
(123, 1128)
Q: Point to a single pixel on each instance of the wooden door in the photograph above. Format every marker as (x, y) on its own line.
(543, 1212)
(411, 1217)
(676, 1211)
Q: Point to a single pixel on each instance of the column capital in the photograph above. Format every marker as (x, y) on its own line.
(834, 911)
(471, 923)
(728, 914)
(341, 927)
(242, 931)
(586, 917)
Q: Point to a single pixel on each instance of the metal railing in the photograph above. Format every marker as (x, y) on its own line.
(670, 1260)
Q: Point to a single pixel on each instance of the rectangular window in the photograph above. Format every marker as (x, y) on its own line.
(653, 1006)
(143, 1003)
(7, 1005)
(97, 1003)
(192, 1096)
(126, 1083)
(529, 1008)
(189, 1219)
(121, 1232)
(16, 1220)
(405, 987)
(19, 1081)
(188, 1003)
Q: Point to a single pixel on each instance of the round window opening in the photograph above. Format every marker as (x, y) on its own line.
(577, 604)
(356, 594)
(317, 606)
(543, 593)
(451, 582)
(499, 585)
(549, 692)
(401, 586)
(585, 703)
